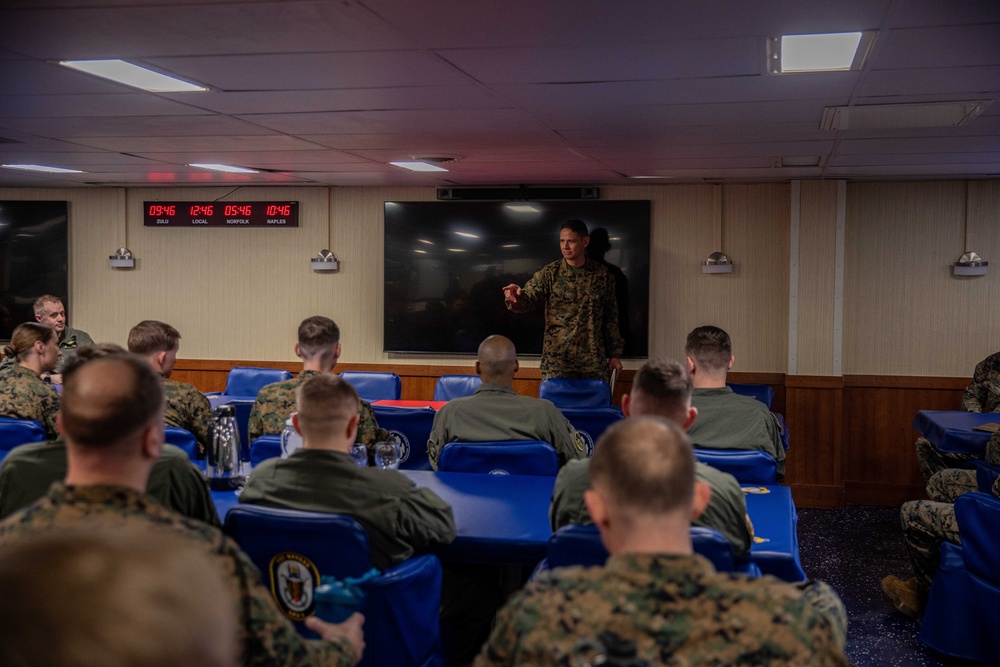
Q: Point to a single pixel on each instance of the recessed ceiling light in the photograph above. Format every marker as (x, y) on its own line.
(521, 208)
(426, 241)
(467, 235)
(43, 168)
(456, 250)
(418, 166)
(422, 252)
(800, 161)
(133, 75)
(826, 52)
(511, 245)
(229, 169)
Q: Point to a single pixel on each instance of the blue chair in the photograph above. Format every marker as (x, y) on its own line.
(14, 432)
(591, 423)
(748, 466)
(456, 386)
(402, 604)
(503, 457)
(762, 392)
(248, 381)
(960, 617)
(265, 447)
(413, 428)
(375, 386)
(986, 474)
(577, 544)
(567, 393)
(179, 437)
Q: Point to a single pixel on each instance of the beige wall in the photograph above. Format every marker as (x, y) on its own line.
(239, 294)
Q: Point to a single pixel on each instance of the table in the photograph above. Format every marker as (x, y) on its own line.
(951, 430)
(436, 405)
(775, 520)
(216, 399)
(504, 520)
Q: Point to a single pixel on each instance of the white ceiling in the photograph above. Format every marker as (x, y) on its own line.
(518, 91)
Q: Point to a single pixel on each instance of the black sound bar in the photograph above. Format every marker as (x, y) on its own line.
(517, 194)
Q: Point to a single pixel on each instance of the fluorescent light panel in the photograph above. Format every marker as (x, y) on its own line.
(229, 169)
(43, 168)
(467, 235)
(521, 208)
(418, 166)
(133, 75)
(819, 53)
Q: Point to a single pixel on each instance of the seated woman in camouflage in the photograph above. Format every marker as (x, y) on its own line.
(23, 394)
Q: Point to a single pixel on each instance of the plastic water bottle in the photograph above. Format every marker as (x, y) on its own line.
(225, 466)
(290, 439)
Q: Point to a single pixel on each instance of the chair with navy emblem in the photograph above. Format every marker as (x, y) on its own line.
(14, 432)
(247, 381)
(263, 448)
(762, 392)
(960, 615)
(182, 438)
(578, 544)
(748, 466)
(402, 603)
(572, 393)
(591, 423)
(502, 457)
(375, 386)
(413, 428)
(456, 386)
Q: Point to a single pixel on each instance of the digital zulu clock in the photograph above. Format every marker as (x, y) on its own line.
(221, 214)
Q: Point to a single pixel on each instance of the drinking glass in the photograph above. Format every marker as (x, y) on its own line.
(387, 455)
(360, 454)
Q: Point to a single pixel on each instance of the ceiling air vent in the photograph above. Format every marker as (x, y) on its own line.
(889, 116)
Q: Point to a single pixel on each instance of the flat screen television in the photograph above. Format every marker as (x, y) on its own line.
(447, 262)
(34, 258)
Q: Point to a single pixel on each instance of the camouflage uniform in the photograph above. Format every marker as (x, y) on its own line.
(676, 609)
(581, 318)
(930, 460)
(188, 408)
(945, 479)
(726, 511)
(30, 470)
(277, 400)
(268, 638)
(24, 395)
(983, 393)
(497, 412)
(69, 341)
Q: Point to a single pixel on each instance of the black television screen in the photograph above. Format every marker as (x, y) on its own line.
(447, 262)
(34, 255)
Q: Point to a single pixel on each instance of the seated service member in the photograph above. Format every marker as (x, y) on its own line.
(497, 412)
(49, 311)
(112, 419)
(29, 470)
(654, 591)
(114, 598)
(399, 517)
(726, 420)
(662, 388)
(23, 394)
(319, 349)
(187, 408)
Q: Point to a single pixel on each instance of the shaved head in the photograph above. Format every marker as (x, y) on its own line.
(109, 400)
(497, 359)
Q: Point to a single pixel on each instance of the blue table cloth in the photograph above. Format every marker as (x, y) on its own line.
(951, 430)
(776, 543)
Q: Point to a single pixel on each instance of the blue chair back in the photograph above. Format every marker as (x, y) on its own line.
(14, 432)
(402, 604)
(248, 381)
(576, 544)
(748, 466)
(265, 447)
(591, 423)
(568, 393)
(960, 615)
(986, 475)
(375, 386)
(762, 392)
(503, 457)
(182, 438)
(456, 386)
(413, 428)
